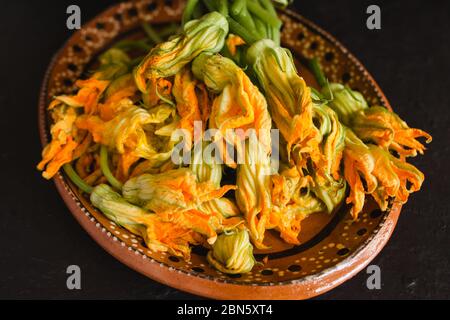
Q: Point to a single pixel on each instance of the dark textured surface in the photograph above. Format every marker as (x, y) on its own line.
(409, 58)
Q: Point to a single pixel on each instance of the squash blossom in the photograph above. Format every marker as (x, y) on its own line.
(60, 150)
(310, 185)
(370, 135)
(253, 190)
(158, 235)
(330, 138)
(167, 59)
(292, 202)
(358, 167)
(384, 128)
(192, 103)
(116, 96)
(212, 172)
(205, 169)
(344, 101)
(206, 34)
(113, 64)
(117, 209)
(173, 190)
(239, 104)
(375, 124)
(327, 183)
(177, 196)
(288, 96)
(226, 207)
(64, 133)
(184, 91)
(135, 132)
(385, 176)
(232, 253)
(396, 178)
(67, 143)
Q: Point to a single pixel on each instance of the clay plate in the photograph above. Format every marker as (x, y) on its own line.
(334, 247)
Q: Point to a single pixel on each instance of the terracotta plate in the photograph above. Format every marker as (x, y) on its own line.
(334, 247)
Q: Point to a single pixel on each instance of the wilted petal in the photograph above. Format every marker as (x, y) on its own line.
(60, 150)
(184, 91)
(385, 128)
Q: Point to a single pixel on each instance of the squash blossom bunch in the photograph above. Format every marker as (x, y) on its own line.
(240, 105)
(298, 112)
(377, 143)
(225, 73)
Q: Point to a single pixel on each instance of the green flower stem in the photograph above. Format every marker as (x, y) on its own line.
(276, 35)
(210, 5)
(236, 28)
(104, 166)
(136, 61)
(238, 6)
(128, 45)
(260, 27)
(151, 33)
(316, 69)
(222, 6)
(199, 11)
(189, 11)
(169, 30)
(263, 14)
(76, 179)
(244, 18)
(268, 5)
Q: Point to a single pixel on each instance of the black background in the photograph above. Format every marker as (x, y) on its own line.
(409, 57)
